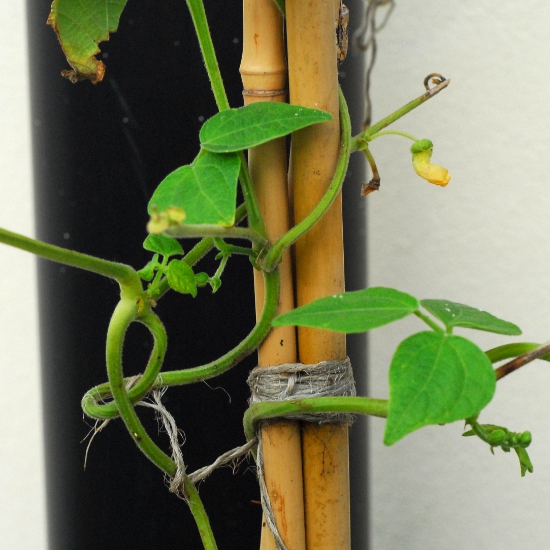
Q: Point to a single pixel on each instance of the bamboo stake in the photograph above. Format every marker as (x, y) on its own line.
(319, 258)
(263, 72)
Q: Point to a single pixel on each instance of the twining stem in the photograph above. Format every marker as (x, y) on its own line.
(274, 409)
(273, 257)
(124, 314)
(196, 374)
(90, 401)
(125, 275)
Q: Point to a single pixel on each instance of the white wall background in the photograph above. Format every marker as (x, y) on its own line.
(481, 241)
(22, 516)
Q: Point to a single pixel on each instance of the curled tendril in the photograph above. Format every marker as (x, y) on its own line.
(437, 79)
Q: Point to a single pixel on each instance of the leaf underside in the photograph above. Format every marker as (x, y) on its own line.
(436, 378)
(238, 129)
(351, 312)
(206, 190)
(453, 314)
(80, 26)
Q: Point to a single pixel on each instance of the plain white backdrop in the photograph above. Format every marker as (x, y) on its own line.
(480, 241)
(22, 514)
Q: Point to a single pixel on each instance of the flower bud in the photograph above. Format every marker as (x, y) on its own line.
(422, 153)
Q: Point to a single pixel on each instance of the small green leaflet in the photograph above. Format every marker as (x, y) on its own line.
(148, 272)
(239, 129)
(349, 312)
(459, 315)
(206, 190)
(436, 378)
(165, 246)
(181, 278)
(80, 26)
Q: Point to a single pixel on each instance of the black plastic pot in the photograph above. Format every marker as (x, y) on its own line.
(99, 152)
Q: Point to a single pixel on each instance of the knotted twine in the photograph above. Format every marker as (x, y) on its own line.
(298, 381)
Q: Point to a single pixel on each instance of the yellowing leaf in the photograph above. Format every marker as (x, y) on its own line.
(80, 25)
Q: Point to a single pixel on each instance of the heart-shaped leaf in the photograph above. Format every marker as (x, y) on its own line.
(239, 129)
(459, 315)
(349, 312)
(181, 278)
(80, 26)
(436, 378)
(165, 246)
(206, 190)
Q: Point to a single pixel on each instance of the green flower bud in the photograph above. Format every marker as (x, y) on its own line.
(201, 278)
(525, 439)
(497, 437)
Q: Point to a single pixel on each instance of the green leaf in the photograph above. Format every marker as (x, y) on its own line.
(148, 272)
(181, 278)
(357, 311)
(238, 129)
(206, 190)
(459, 315)
(165, 246)
(80, 26)
(436, 378)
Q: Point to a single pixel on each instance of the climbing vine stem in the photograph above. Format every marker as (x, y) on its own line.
(90, 401)
(126, 312)
(273, 257)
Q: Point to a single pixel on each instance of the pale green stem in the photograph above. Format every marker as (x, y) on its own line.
(125, 275)
(196, 8)
(390, 133)
(273, 257)
(90, 400)
(125, 313)
(192, 231)
(274, 409)
(428, 321)
(390, 119)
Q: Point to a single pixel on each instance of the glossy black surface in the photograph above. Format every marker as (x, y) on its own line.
(99, 152)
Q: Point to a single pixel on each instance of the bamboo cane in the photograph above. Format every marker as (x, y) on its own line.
(263, 72)
(313, 82)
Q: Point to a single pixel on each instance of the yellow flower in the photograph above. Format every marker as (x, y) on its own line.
(422, 153)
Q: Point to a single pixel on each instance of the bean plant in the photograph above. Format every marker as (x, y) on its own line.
(435, 376)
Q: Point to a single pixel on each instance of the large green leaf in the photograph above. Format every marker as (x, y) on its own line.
(352, 311)
(238, 129)
(436, 378)
(80, 26)
(459, 315)
(206, 190)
